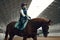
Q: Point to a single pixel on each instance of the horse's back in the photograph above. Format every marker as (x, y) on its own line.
(10, 26)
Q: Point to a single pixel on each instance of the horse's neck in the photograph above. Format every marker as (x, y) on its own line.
(35, 23)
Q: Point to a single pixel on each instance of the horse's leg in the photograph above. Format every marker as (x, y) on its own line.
(6, 35)
(35, 38)
(11, 37)
(24, 38)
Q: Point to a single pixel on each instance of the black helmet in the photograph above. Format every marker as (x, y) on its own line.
(23, 4)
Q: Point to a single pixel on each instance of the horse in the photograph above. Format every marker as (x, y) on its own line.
(31, 29)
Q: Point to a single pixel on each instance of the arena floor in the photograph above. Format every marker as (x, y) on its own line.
(39, 38)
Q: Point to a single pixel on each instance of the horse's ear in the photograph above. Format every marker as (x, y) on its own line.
(49, 22)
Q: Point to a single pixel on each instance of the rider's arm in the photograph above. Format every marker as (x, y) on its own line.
(22, 13)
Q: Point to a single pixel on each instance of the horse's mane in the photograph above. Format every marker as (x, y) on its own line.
(40, 19)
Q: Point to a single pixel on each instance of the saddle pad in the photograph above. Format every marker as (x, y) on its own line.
(24, 26)
(16, 25)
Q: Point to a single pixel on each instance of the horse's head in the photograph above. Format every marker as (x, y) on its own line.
(45, 28)
(44, 23)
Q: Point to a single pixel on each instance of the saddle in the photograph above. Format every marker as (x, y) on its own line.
(19, 26)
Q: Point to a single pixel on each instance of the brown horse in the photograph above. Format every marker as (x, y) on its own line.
(31, 29)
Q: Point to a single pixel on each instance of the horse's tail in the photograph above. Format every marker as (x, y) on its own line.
(6, 34)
